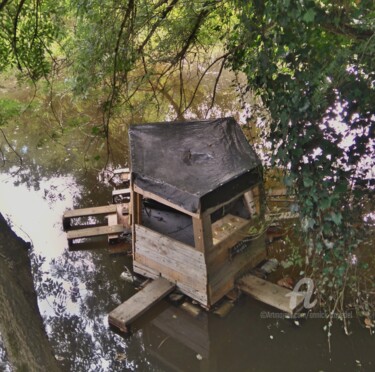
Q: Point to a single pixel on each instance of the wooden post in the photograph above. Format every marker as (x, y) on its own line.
(136, 215)
(202, 233)
(250, 203)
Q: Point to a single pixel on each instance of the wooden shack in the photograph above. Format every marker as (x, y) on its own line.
(195, 190)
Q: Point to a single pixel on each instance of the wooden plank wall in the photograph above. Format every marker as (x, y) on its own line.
(223, 278)
(224, 270)
(179, 263)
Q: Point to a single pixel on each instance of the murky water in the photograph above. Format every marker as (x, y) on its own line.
(77, 290)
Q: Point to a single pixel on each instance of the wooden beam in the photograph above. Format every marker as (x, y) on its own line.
(215, 208)
(121, 192)
(136, 215)
(84, 212)
(112, 221)
(138, 304)
(121, 171)
(225, 274)
(94, 231)
(150, 195)
(225, 239)
(202, 230)
(250, 203)
(269, 293)
(227, 226)
(281, 216)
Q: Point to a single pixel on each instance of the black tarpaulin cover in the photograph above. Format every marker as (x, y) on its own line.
(195, 165)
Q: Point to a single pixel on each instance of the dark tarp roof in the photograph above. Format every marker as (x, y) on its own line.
(195, 165)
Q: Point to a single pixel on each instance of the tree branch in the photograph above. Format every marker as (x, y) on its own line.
(157, 24)
(11, 147)
(348, 31)
(3, 4)
(215, 86)
(181, 54)
(202, 76)
(15, 26)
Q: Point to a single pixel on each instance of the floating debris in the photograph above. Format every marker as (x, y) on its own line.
(224, 309)
(270, 266)
(127, 275)
(120, 356)
(191, 309)
(286, 282)
(369, 323)
(176, 297)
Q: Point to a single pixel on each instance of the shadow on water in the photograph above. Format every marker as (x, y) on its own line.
(77, 289)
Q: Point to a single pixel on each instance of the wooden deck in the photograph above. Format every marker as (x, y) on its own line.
(86, 212)
(135, 306)
(94, 231)
(269, 293)
(117, 216)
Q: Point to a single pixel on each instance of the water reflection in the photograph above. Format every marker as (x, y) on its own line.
(4, 363)
(77, 289)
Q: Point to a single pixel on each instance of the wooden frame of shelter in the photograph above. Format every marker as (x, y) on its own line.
(223, 249)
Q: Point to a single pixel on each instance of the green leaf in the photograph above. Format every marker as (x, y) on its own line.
(325, 203)
(95, 130)
(336, 218)
(309, 16)
(307, 182)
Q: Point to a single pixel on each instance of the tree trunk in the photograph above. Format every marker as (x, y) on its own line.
(21, 324)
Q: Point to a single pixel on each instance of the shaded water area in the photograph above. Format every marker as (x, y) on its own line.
(77, 289)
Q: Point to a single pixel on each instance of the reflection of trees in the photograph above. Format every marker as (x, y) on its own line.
(79, 331)
(4, 362)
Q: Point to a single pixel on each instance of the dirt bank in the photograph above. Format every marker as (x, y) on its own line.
(21, 325)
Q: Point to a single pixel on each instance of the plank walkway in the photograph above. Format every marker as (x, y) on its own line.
(94, 231)
(269, 293)
(135, 306)
(94, 211)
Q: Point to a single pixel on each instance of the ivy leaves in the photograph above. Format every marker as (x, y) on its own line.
(313, 66)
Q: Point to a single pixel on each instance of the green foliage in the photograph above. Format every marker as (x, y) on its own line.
(8, 109)
(312, 64)
(27, 30)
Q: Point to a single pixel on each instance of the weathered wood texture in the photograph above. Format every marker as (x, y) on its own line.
(94, 211)
(216, 207)
(121, 192)
(150, 195)
(225, 227)
(202, 233)
(269, 293)
(222, 278)
(173, 260)
(94, 231)
(227, 232)
(136, 214)
(252, 203)
(138, 304)
(121, 171)
(281, 216)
